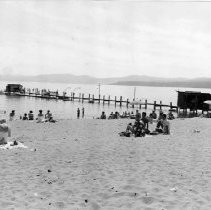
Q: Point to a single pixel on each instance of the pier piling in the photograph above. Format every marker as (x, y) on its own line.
(145, 104)
(120, 101)
(103, 100)
(127, 102)
(154, 105)
(160, 105)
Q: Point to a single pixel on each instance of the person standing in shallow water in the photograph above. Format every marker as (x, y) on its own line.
(83, 112)
(78, 113)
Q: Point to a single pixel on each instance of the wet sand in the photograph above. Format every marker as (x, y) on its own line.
(85, 164)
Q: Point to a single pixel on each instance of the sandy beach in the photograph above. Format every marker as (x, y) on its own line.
(85, 164)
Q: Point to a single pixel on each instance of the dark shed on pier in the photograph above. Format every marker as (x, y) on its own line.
(193, 100)
(15, 88)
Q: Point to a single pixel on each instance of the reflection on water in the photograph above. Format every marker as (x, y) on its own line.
(67, 109)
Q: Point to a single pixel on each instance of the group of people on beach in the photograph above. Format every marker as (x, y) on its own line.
(48, 117)
(5, 130)
(140, 128)
(142, 121)
(131, 115)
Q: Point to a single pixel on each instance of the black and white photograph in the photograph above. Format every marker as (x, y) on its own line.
(105, 104)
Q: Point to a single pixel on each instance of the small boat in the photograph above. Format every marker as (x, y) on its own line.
(136, 103)
(66, 99)
(91, 101)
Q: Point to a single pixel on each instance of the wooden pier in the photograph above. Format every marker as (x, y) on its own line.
(81, 97)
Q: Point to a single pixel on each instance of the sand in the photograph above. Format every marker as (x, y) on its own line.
(85, 164)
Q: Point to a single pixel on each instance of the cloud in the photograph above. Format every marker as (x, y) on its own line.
(105, 38)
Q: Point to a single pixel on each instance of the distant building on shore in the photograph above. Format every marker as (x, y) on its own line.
(193, 100)
(14, 88)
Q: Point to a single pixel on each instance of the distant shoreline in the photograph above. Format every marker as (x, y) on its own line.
(131, 80)
(203, 85)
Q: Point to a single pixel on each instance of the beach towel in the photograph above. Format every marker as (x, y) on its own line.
(9, 143)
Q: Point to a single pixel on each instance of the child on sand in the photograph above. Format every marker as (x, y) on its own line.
(103, 116)
(5, 132)
(25, 117)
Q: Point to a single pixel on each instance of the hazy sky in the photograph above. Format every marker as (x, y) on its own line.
(105, 38)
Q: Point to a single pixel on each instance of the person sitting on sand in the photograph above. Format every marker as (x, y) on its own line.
(154, 115)
(164, 125)
(31, 115)
(170, 115)
(12, 115)
(25, 117)
(40, 117)
(132, 116)
(48, 115)
(52, 120)
(5, 132)
(103, 116)
(111, 116)
(130, 128)
(127, 115)
(116, 115)
(138, 128)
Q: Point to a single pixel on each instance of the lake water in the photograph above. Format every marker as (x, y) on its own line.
(67, 109)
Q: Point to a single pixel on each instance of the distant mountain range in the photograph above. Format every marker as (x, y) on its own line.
(132, 80)
(186, 83)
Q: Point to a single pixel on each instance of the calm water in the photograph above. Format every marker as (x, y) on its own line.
(67, 109)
